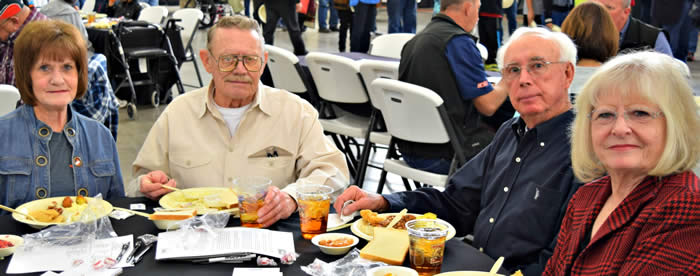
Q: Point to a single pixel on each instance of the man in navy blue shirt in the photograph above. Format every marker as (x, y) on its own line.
(443, 57)
(513, 194)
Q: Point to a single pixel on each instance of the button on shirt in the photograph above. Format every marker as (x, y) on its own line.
(511, 196)
(279, 137)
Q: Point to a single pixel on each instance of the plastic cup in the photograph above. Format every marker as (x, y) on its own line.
(91, 17)
(314, 204)
(251, 191)
(427, 245)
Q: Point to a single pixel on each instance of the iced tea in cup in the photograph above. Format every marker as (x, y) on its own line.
(427, 244)
(314, 203)
(91, 17)
(251, 191)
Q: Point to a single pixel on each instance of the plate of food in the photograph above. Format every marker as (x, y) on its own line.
(62, 210)
(364, 228)
(204, 200)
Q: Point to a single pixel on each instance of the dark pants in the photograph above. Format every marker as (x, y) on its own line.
(362, 22)
(345, 25)
(488, 35)
(286, 9)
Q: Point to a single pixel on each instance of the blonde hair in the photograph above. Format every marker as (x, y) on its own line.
(659, 79)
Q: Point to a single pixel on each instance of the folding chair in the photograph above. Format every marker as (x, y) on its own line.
(417, 114)
(9, 95)
(287, 73)
(88, 6)
(189, 20)
(153, 15)
(337, 81)
(134, 40)
(369, 71)
(389, 45)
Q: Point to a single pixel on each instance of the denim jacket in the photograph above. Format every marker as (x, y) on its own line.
(24, 157)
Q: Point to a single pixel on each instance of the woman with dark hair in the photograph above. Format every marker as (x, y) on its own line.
(593, 31)
(47, 148)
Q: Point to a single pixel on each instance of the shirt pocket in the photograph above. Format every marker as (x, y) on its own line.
(274, 158)
(546, 203)
(189, 160)
(15, 173)
(101, 173)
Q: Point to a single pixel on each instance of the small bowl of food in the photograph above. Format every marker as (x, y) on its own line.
(170, 219)
(392, 270)
(335, 243)
(8, 244)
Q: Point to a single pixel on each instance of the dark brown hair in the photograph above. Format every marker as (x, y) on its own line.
(593, 31)
(52, 39)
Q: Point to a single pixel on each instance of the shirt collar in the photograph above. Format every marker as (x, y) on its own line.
(259, 101)
(545, 129)
(624, 29)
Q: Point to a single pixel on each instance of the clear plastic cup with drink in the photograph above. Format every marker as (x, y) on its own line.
(427, 245)
(251, 191)
(314, 203)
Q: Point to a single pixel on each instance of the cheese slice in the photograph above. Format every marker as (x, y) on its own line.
(388, 245)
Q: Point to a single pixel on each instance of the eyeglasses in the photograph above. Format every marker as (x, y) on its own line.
(636, 116)
(535, 68)
(228, 63)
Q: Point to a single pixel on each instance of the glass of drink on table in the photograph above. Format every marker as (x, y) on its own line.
(314, 203)
(251, 191)
(91, 17)
(426, 245)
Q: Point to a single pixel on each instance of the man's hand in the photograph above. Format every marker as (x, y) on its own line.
(278, 205)
(298, 7)
(150, 184)
(363, 200)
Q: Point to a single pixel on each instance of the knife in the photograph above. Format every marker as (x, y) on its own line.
(125, 247)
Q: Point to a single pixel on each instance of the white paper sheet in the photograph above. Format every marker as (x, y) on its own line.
(257, 271)
(59, 258)
(224, 241)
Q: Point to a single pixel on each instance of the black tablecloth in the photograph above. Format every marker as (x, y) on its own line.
(102, 43)
(458, 255)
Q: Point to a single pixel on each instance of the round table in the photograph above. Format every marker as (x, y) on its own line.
(458, 255)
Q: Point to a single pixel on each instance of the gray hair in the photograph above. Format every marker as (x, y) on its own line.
(567, 48)
(237, 22)
(446, 3)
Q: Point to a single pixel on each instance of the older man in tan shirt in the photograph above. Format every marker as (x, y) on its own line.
(238, 127)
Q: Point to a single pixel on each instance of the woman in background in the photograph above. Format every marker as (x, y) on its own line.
(591, 28)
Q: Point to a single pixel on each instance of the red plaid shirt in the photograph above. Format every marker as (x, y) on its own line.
(654, 231)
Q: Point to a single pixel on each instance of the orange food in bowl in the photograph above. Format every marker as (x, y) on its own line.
(341, 242)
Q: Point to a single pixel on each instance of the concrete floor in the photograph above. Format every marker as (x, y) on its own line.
(132, 133)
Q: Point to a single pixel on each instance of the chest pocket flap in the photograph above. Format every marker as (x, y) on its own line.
(189, 160)
(103, 168)
(21, 166)
(278, 157)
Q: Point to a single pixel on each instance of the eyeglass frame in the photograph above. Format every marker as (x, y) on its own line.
(527, 68)
(626, 116)
(237, 58)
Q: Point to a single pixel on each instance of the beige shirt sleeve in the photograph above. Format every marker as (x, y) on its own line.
(320, 161)
(152, 156)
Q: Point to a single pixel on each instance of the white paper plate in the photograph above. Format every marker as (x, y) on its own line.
(357, 226)
(178, 200)
(42, 204)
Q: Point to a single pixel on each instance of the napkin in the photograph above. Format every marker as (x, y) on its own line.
(336, 220)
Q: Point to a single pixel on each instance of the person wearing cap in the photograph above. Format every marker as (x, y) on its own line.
(14, 15)
(48, 149)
